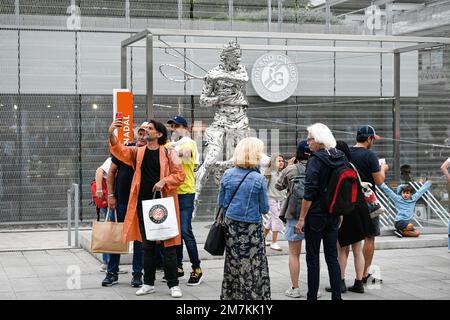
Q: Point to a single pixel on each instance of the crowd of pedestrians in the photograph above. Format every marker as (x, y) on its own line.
(289, 194)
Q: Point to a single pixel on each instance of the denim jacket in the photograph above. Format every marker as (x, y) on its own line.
(250, 200)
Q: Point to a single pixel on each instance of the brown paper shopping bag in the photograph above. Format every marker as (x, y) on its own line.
(107, 236)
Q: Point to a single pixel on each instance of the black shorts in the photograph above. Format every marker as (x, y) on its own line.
(401, 225)
(374, 230)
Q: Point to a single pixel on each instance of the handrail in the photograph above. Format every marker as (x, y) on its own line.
(437, 203)
(429, 202)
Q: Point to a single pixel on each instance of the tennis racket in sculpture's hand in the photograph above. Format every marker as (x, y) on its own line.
(177, 74)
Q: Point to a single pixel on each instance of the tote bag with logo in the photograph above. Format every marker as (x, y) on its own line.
(160, 219)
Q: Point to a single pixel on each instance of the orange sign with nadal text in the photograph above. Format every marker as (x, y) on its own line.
(123, 107)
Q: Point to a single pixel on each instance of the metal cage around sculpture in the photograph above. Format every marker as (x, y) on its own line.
(169, 40)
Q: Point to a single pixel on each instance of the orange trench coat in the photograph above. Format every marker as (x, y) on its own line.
(171, 171)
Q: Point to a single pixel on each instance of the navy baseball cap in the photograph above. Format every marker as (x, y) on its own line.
(303, 150)
(178, 120)
(368, 132)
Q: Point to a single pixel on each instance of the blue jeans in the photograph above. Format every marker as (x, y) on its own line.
(114, 259)
(105, 256)
(186, 203)
(320, 227)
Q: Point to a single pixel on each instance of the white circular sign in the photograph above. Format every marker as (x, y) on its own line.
(274, 77)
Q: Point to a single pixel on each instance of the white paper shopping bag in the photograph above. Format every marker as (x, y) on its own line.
(160, 219)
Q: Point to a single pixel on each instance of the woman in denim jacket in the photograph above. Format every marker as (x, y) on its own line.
(246, 272)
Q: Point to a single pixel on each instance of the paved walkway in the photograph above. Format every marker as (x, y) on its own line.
(47, 274)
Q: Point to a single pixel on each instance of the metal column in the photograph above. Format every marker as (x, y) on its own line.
(231, 13)
(396, 116)
(389, 17)
(127, 13)
(328, 16)
(123, 67)
(280, 15)
(180, 13)
(149, 65)
(17, 11)
(69, 217)
(77, 211)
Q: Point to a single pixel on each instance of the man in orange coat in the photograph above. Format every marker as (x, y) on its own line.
(158, 171)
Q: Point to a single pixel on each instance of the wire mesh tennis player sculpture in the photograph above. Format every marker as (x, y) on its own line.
(224, 88)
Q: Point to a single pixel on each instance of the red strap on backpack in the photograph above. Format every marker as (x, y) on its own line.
(347, 174)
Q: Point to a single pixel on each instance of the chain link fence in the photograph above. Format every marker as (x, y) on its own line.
(48, 142)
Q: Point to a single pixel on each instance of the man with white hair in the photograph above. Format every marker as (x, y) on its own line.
(314, 221)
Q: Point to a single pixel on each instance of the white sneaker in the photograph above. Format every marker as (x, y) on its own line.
(175, 292)
(267, 243)
(293, 292)
(145, 289)
(319, 294)
(102, 267)
(275, 246)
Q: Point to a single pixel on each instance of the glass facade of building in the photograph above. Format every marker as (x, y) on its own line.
(56, 95)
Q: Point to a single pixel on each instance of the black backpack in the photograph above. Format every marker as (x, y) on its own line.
(340, 193)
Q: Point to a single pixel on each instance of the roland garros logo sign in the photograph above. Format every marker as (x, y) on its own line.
(158, 214)
(274, 77)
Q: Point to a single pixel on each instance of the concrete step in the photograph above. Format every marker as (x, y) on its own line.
(386, 241)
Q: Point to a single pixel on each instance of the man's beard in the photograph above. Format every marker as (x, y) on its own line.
(149, 138)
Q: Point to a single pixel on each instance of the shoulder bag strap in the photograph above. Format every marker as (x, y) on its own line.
(222, 212)
(357, 172)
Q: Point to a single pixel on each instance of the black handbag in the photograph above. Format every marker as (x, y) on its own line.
(215, 241)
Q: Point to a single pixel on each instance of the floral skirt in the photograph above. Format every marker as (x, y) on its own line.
(246, 272)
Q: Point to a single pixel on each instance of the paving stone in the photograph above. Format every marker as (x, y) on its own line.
(100, 294)
(11, 254)
(5, 286)
(67, 295)
(34, 295)
(27, 285)
(420, 292)
(55, 284)
(46, 271)
(389, 293)
(13, 261)
(8, 296)
(20, 272)
(49, 271)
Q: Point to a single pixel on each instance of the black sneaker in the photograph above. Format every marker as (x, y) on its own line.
(110, 279)
(180, 273)
(136, 282)
(398, 233)
(196, 277)
(343, 287)
(373, 279)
